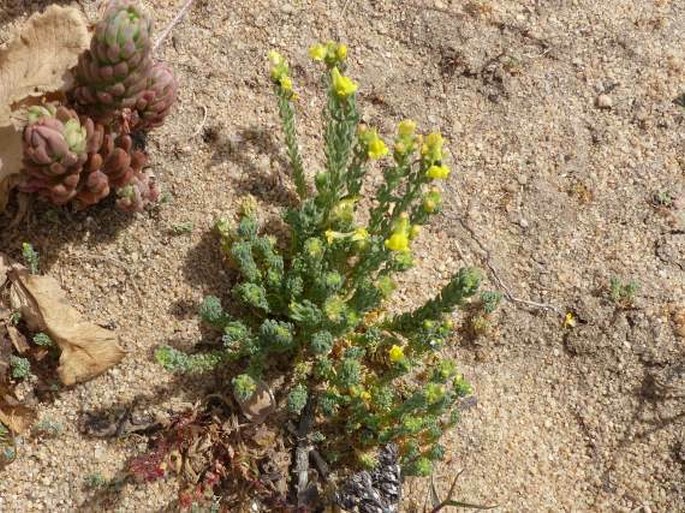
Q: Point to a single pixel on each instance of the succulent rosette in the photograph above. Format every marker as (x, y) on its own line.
(120, 92)
(55, 149)
(154, 103)
(116, 69)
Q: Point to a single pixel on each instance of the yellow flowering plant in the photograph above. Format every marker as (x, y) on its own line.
(313, 307)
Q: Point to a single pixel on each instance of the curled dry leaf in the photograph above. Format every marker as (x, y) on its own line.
(258, 407)
(14, 415)
(87, 349)
(10, 161)
(35, 63)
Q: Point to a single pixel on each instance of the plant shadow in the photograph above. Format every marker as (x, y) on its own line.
(246, 149)
(48, 228)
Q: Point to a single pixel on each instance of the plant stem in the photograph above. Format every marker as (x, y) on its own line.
(287, 115)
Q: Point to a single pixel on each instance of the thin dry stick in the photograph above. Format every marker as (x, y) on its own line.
(507, 291)
(202, 123)
(171, 25)
(344, 9)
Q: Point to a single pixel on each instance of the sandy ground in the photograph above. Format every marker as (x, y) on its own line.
(553, 195)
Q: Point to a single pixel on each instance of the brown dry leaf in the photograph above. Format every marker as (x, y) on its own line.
(38, 59)
(258, 407)
(5, 266)
(264, 436)
(36, 62)
(10, 161)
(18, 340)
(17, 417)
(87, 349)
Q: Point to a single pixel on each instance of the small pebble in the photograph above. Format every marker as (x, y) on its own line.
(604, 101)
(287, 9)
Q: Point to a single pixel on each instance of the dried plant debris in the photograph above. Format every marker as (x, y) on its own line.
(212, 452)
(37, 305)
(39, 57)
(87, 349)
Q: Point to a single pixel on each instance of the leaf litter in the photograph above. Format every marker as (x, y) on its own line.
(32, 304)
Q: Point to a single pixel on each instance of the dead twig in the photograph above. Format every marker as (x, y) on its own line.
(172, 24)
(344, 9)
(508, 294)
(506, 290)
(202, 123)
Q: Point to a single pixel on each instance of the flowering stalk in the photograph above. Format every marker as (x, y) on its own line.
(341, 119)
(280, 75)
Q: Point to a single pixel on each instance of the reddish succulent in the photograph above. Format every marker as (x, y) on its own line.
(155, 102)
(115, 71)
(55, 149)
(138, 193)
(120, 92)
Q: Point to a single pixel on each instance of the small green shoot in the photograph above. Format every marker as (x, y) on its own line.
(20, 367)
(48, 428)
(622, 293)
(15, 317)
(31, 258)
(43, 340)
(182, 228)
(663, 198)
(94, 481)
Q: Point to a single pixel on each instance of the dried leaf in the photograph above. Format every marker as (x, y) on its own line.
(260, 405)
(18, 340)
(17, 417)
(87, 349)
(264, 436)
(39, 57)
(5, 266)
(10, 161)
(35, 63)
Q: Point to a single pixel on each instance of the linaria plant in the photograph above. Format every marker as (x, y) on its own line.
(313, 308)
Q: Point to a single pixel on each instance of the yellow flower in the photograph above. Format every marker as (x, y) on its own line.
(276, 58)
(377, 148)
(569, 320)
(432, 200)
(279, 67)
(438, 172)
(431, 149)
(397, 242)
(341, 52)
(331, 236)
(287, 84)
(396, 354)
(317, 52)
(406, 128)
(344, 210)
(414, 231)
(343, 86)
(360, 235)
